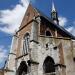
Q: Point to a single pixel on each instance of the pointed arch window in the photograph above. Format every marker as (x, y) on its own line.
(26, 43)
(22, 69)
(48, 65)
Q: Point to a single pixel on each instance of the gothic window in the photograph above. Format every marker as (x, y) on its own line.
(48, 65)
(26, 43)
(23, 68)
(48, 33)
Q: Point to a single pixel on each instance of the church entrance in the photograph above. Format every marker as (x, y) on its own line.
(48, 66)
(22, 69)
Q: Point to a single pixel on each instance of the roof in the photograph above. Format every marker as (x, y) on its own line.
(53, 7)
(57, 26)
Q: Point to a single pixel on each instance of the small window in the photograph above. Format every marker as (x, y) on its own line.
(47, 46)
(48, 33)
(26, 43)
(55, 48)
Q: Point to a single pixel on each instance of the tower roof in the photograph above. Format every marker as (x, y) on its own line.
(53, 7)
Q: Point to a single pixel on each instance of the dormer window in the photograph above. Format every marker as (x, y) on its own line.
(26, 43)
(48, 33)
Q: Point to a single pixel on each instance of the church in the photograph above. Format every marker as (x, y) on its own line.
(41, 46)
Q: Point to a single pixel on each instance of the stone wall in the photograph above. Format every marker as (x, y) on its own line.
(62, 55)
(68, 57)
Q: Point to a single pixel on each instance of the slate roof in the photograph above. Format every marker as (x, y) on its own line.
(57, 26)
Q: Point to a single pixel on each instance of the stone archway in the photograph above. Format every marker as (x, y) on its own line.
(48, 65)
(22, 69)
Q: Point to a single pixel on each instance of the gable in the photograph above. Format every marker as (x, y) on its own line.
(29, 15)
(34, 12)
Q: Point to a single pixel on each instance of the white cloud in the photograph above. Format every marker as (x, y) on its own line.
(69, 29)
(11, 18)
(25, 2)
(72, 29)
(3, 54)
(62, 21)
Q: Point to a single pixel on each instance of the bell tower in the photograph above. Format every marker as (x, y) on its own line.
(54, 14)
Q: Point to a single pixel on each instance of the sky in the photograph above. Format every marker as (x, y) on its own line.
(12, 12)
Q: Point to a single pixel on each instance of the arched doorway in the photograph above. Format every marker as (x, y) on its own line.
(48, 65)
(22, 69)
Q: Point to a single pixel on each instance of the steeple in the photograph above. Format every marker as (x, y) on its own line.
(54, 14)
(53, 7)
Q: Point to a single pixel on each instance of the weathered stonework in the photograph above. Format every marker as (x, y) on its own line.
(59, 47)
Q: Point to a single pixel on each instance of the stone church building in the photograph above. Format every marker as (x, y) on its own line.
(41, 46)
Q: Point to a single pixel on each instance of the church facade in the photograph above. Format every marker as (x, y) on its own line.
(41, 46)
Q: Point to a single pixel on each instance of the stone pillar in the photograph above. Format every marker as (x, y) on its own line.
(34, 48)
(34, 41)
(34, 31)
(39, 22)
(73, 49)
(34, 58)
(34, 69)
(10, 66)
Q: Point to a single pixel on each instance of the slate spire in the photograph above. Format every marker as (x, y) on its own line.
(53, 7)
(54, 14)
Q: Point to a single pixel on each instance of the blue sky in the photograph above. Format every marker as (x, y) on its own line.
(12, 12)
